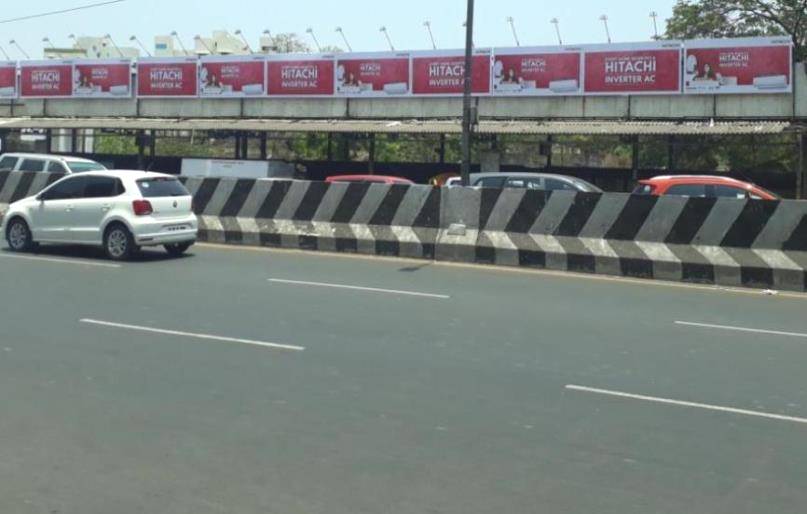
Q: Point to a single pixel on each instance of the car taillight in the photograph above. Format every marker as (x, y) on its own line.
(142, 207)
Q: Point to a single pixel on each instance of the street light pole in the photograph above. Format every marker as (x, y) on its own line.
(654, 15)
(309, 30)
(389, 40)
(109, 38)
(52, 46)
(201, 41)
(556, 23)
(344, 38)
(604, 20)
(247, 46)
(136, 40)
(182, 46)
(467, 122)
(23, 52)
(512, 23)
(428, 26)
(3, 51)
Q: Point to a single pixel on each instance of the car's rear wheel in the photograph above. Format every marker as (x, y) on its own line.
(177, 249)
(119, 244)
(18, 236)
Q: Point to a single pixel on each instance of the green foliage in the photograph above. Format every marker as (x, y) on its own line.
(111, 144)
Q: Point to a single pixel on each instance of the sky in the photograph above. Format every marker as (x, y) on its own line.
(628, 21)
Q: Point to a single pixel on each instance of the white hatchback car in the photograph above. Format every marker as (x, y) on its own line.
(119, 210)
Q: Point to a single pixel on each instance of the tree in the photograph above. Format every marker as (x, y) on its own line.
(738, 18)
(289, 43)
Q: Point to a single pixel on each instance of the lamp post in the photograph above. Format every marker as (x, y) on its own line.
(344, 38)
(3, 51)
(176, 36)
(23, 52)
(135, 40)
(109, 38)
(654, 15)
(389, 40)
(199, 39)
(512, 24)
(247, 47)
(604, 20)
(467, 122)
(556, 23)
(428, 26)
(310, 31)
(47, 40)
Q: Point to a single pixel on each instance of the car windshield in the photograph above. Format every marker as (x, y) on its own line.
(161, 187)
(80, 166)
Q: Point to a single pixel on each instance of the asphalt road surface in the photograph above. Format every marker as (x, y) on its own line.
(252, 381)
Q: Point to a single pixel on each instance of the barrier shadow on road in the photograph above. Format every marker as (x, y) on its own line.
(81, 252)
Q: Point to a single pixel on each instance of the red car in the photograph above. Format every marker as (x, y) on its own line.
(374, 179)
(704, 186)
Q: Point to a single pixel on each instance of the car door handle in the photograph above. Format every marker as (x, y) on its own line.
(106, 207)
(69, 208)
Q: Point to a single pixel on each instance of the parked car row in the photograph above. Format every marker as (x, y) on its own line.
(702, 186)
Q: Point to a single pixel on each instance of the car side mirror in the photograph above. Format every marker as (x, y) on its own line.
(40, 198)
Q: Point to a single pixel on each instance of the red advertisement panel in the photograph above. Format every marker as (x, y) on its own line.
(166, 77)
(301, 77)
(229, 77)
(633, 71)
(445, 75)
(738, 69)
(373, 75)
(8, 79)
(536, 74)
(102, 79)
(42, 79)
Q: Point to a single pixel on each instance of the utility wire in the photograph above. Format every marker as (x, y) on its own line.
(63, 11)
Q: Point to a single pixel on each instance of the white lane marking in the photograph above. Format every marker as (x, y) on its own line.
(192, 335)
(61, 261)
(741, 329)
(680, 403)
(359, 288)
(505, 269)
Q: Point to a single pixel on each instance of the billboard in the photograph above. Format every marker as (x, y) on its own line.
(232, 77)
(373, 74)
(300, 75)
(635, 69)
(537, 71)
(167, 77)
(102, 79)
(759, 65)
(8, 79)
(443, 73)
(46, 79)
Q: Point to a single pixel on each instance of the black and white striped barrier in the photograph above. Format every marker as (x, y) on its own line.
(727, 242)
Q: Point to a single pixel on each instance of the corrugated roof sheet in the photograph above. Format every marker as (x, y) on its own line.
(410, 127)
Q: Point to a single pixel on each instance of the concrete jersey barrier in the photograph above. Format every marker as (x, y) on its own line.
(727, 242)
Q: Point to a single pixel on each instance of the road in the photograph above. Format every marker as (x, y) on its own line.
(243, 380)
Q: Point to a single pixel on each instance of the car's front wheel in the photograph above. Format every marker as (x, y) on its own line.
(119, 244)
(177, 249)
(18, 236)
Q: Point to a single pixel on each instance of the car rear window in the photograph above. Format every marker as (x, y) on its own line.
(161, 187)
(80, 167)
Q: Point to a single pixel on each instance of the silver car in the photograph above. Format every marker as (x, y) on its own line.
(539, 181)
